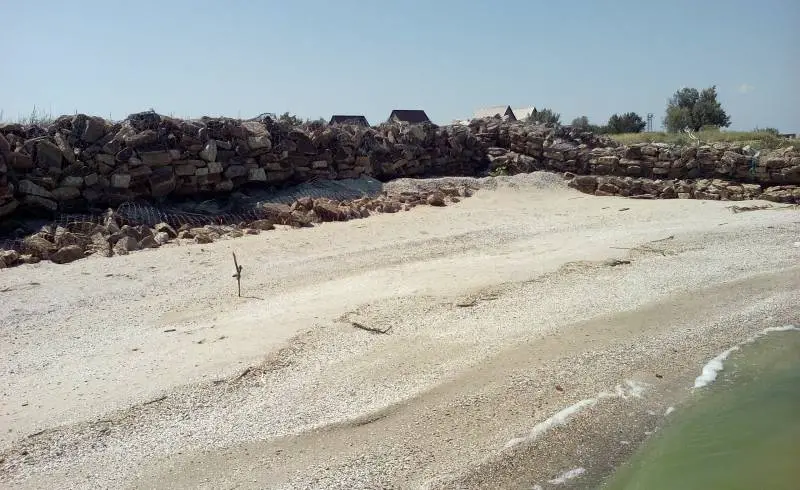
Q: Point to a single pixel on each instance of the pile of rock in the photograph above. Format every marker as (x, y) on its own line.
(64, 244)
(81, 162)
(708, 189)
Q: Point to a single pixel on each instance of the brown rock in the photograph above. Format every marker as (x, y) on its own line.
(38, 246)
(435, 199)
(9, 257)
(166, 228)
(64, 238)
(262, 224)
(148, 242)
(98, 243)
(29, 259)
(584, 183)
(67, 254)
(20, 161)
(328, 210)
(125, 245)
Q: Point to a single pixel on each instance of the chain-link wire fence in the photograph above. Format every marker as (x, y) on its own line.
(238, 207)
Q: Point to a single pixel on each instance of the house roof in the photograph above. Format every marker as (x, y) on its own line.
(347, 119)
(409, 116)
(498, 110)
(523, 113)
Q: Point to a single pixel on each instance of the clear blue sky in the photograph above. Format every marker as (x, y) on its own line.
(315, 58)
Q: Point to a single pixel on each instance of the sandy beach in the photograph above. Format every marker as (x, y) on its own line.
(533, 335)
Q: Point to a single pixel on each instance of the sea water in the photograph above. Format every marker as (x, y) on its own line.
(740, 428)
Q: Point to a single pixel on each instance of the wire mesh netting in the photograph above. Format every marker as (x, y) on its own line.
(238, 207)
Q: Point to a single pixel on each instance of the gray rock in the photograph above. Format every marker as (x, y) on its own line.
(8, 207)
(235, 171)
(125, 245)
(148, 242)
(29, 188)
(184, 169)
(37, 246)
(256, 175)
(66, 149)
(72, 181)
(262, 224)
(48, 155)
(161, 238)
(138, 140)
(156, 158)
(209, 152)
(95, 129)
(261, 142)
(121, 181)
(162, 182)
(66, 193)
(98, 243)
(91, 179)
(65, 255)
(9, 257)
(165, 228)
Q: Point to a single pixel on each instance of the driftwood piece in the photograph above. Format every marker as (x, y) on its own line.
(370, 329)
(238, 275)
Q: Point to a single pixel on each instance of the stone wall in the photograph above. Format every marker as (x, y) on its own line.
(81, 162)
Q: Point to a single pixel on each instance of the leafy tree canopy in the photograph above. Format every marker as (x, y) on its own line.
(630, 122)
(545, 116)
(693, 109)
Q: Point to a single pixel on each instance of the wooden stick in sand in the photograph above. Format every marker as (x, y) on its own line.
(238, 275)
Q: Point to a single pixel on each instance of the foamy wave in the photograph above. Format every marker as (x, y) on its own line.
(630, 389)
(715, 365)
(567, 475)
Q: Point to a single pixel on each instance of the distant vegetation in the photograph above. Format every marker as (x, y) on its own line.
(762, 139)
(630, 122)
(545, 116)
(37, 116)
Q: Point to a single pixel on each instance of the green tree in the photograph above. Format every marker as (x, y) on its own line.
(581, 123)
(545, 116)
(291, 119)
(693, 109)
(630, 122)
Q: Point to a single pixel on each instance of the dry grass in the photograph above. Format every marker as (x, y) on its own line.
(756, 139)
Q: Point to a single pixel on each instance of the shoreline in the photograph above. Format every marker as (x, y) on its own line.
(494, 303)
(723, 423)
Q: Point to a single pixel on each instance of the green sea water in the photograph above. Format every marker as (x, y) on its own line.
(740, 432)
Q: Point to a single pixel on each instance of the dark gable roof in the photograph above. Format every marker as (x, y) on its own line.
(340, 119)
(409, 116)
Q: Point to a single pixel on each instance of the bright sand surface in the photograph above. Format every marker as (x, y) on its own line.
(516, 350)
